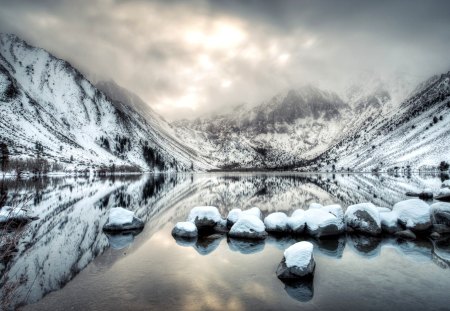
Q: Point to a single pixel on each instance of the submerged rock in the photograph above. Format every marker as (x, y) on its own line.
(248, 227)
(185, 229)
(364, 218)
(413, 214)
(406, 234)
(321, 223)
(121, 219)
(277, 222)
(298, 261)
(204, 217)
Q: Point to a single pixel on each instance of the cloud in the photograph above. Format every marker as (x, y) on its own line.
(186, 58)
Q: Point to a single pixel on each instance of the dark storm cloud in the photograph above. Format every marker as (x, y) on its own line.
(190, 57)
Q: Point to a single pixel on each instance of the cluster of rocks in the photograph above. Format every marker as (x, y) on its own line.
(406, 219)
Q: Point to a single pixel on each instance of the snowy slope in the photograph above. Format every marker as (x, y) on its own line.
(414, 134)
(44, 100)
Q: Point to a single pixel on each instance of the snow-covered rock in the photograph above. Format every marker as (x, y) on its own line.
(297, 221)
(389, 222)
(414, 214)
(277, 222)
(364, 218)
(440, 213)
(321, 223)
(185, 229)
(121, 219)
(446, 183)
(204, 216)
(336, 210)
(13, 214)
(298, 261)
(235, 213)
(248, 227)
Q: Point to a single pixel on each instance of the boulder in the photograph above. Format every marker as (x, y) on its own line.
(389, 222)
(413, 214)
(277, 222)
(440, 213)
(185, 229)
(296, 222)
(435, 235)
(406, 234)
(298, 261)
(364, 218)
(121, 219)
(204, 217)
(235, 213)
(336, 210)
(248, 227)
(221, 226)
(320, 223)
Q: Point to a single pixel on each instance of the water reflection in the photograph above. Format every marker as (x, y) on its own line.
(301, 290)
(68, 235)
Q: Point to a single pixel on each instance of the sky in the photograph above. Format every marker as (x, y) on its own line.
(193, 57)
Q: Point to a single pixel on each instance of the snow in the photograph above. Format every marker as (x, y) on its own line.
(444, 191)
(12, 213)
(351, 218)
(389, 219)
(335, 209)
(204, 212)
(186, 226)
(234, 215)
(315, 205)
(446, 183)
(119, 216)
(318, 218)
(383, 209)
(248, 224)
(276, 222)
(412, 212)
(299, 254)
(297, 220)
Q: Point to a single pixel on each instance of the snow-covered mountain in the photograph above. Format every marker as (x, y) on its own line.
(376, 124)
(415, 134)
(292, 126)
(50, 110)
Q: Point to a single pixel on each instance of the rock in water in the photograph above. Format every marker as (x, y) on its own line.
(121, 219)
(235, 213)
(248, 227)
(298, 261)
(389, 222)
(276, 222)
(297, 222)
(320, 223)
(185, 229)
(204, 217)
(414, 214)
(406, 234)
(364, 218)
(440, 213)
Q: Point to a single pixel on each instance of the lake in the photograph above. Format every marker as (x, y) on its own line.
(65, 261)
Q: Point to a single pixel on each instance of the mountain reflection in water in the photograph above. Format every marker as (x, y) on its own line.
(68, 235)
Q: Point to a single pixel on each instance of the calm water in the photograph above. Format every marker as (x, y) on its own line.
(65, 261)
